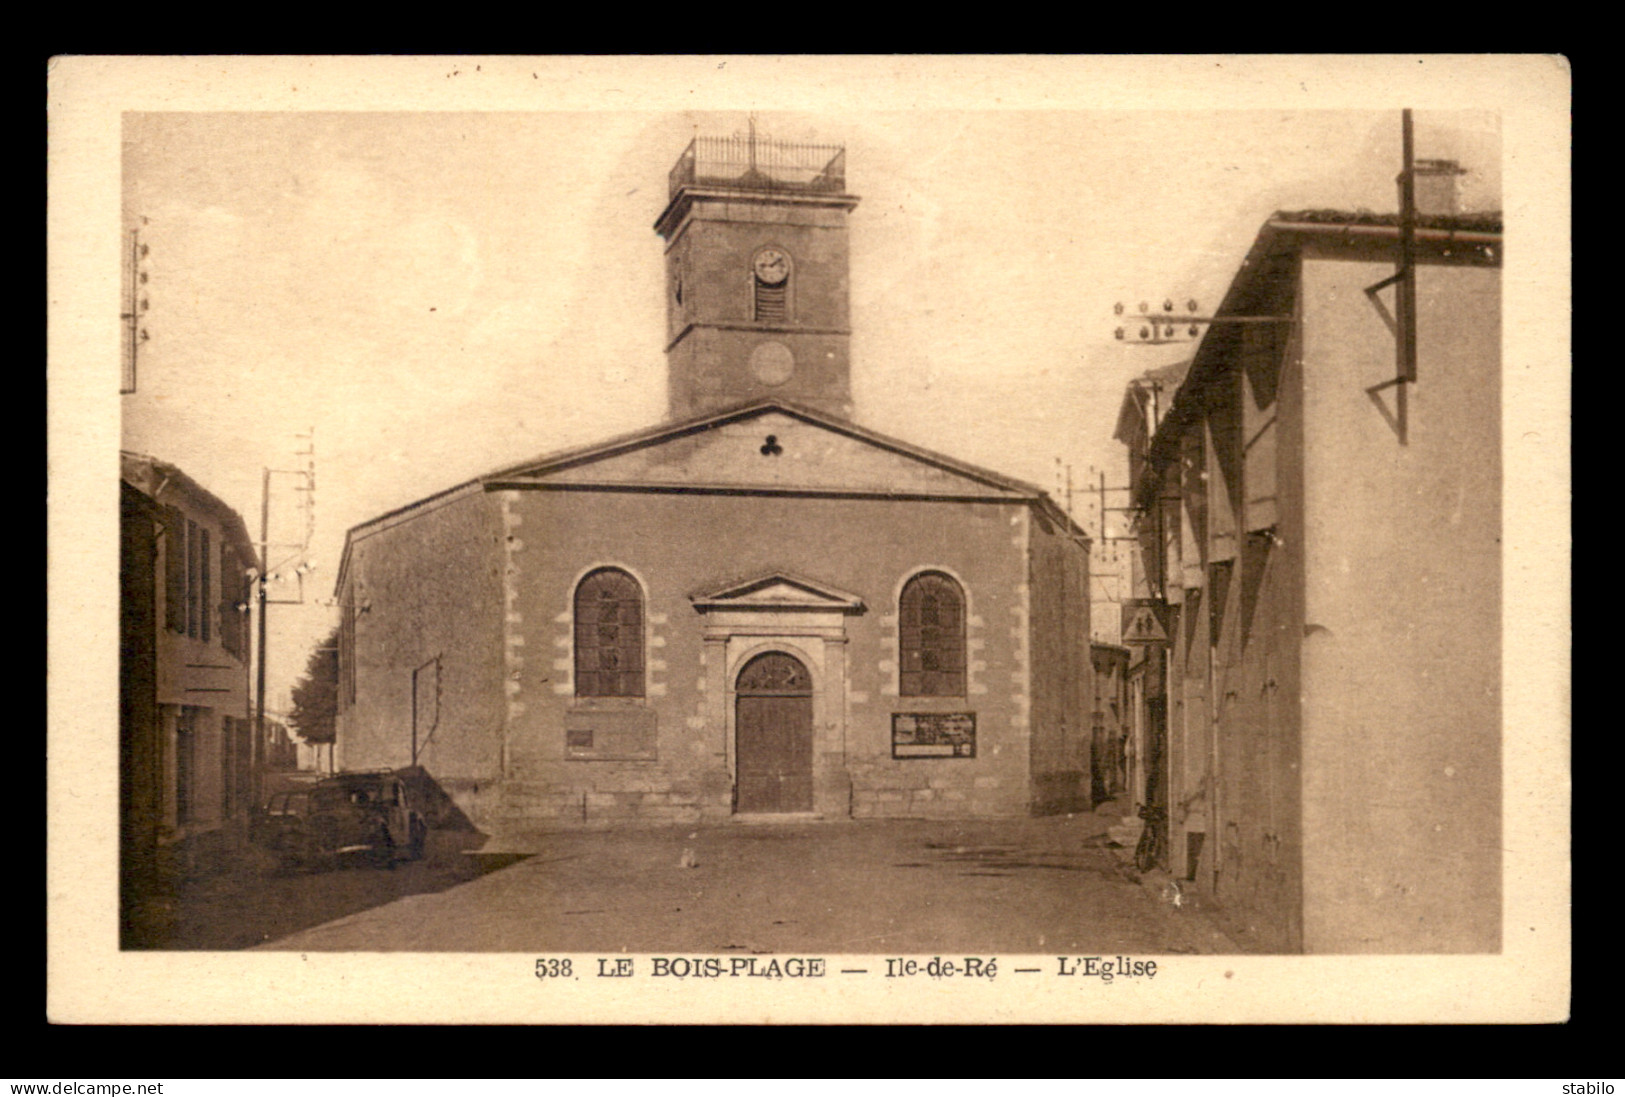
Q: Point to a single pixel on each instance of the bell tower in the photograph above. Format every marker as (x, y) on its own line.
(756, 276)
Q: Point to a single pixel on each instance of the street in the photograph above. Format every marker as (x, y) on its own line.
(1005, 885)
(260, 902)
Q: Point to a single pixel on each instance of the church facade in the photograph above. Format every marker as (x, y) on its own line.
(759, 607)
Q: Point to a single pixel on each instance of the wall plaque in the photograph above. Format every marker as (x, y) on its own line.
(610, 735)
(933, 735)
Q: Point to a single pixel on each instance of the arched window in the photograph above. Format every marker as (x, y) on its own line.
(609, 635)
(931, 637)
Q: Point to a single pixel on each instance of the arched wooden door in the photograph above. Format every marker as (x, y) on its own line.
(774, 735)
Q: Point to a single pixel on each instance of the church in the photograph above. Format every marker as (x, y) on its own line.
(757, 608)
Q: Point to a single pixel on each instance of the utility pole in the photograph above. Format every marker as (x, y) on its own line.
(268, 572)
(1104, 550)
(135, 306)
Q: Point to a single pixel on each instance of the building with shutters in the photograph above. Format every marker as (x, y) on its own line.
(185, 727)
(757, 607)
(1320, 545)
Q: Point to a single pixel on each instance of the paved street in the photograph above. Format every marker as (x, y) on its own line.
(1010, 886)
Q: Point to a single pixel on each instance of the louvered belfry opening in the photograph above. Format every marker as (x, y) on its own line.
(772, 302)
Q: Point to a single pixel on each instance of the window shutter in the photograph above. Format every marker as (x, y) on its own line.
(1260, 379)
(174, 570)
(228, 769)
(185, 759)
(192, 575)
(230, 620)
(205, 613)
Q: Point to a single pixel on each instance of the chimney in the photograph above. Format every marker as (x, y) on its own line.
(1436, 187)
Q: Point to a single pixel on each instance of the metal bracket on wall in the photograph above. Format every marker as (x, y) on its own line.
(418, 694)
(1402, 321)
(1395, 418)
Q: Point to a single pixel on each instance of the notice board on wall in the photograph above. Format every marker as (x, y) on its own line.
(933, 735)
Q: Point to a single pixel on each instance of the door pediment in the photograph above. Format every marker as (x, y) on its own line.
(778, 592)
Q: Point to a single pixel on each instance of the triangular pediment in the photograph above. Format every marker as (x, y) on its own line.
(770, 447)
(778, 591)
(766, 448)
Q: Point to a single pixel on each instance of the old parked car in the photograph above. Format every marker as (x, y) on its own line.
(367, 813)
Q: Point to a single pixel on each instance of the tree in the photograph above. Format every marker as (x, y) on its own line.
(316, 694)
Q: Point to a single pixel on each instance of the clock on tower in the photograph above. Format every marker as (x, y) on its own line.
(756, 270)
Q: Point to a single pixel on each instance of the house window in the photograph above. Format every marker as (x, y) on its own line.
(931, 637)
(609, 635)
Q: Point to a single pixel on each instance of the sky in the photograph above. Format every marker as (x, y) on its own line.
(431, 296)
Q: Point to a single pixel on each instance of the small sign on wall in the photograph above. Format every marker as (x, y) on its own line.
(610, 735)
(933, 735)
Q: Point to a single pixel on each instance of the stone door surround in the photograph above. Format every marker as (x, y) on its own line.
(801, 618)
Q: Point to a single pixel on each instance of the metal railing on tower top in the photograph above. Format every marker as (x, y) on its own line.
(750, 162)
